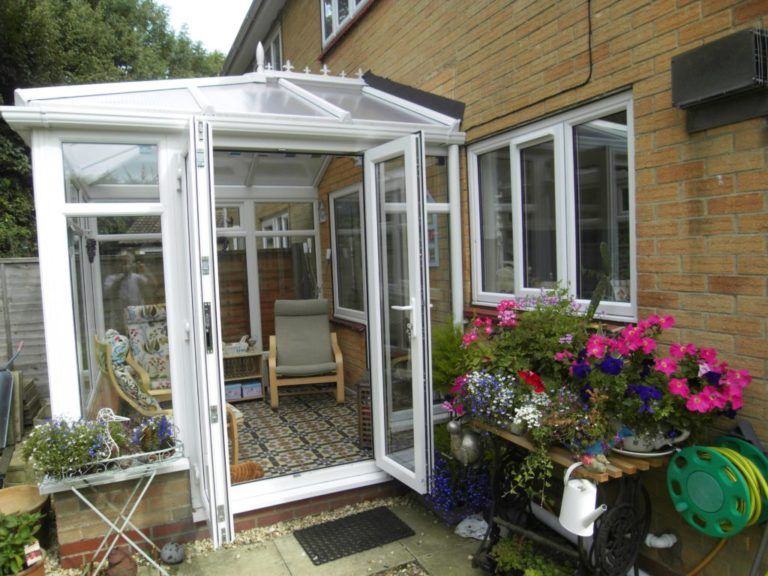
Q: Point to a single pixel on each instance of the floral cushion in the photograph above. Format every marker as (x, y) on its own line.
(119, 345)
(132, 389)
(148, 335)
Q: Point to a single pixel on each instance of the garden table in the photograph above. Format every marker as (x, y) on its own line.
(618, 533)
(142, 476)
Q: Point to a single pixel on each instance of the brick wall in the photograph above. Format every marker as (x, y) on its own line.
(701, 200)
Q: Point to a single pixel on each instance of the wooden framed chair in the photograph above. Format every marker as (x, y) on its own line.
(303, 349)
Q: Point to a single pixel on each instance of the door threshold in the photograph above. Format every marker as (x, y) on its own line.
(284, 489)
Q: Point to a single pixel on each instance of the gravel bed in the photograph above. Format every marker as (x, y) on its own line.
(249, 539)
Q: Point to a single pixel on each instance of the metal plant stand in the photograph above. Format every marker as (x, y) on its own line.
(140, 469)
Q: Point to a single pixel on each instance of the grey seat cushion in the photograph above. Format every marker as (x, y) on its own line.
(303, 337)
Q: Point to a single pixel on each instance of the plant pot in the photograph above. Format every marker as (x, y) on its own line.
(647, 443)
(37, 569)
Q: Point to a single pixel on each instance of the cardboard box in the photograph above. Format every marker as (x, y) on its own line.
(233, 391)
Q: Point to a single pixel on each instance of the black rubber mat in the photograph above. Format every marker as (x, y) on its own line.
(352, 534)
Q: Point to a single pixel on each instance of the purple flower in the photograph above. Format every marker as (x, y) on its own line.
(611, 365)
(580, 370)
(712, 377)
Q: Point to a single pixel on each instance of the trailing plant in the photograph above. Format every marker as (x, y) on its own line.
(16, 532)
(454, 487)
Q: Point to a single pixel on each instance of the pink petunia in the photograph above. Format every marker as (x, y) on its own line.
(739, 378)
(667, 322)
(596, 346)
(676, 351)
(648, 345)
(458, 384)
(698, 403)
(468, 338)
(563, 356)
(679, 387)
(715, 397)
(709, 355)
(665, 366)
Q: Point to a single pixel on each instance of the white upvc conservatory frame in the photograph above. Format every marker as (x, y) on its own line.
(46, 124)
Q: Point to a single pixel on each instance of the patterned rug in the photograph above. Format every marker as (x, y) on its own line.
(306, 432)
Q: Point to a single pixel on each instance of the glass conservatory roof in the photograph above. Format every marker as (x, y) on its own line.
(290, 97)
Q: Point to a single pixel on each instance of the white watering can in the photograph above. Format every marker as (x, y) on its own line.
(577, 511)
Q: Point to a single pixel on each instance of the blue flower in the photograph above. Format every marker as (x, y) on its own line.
(712, 377)
(581, 370)
(611, 365)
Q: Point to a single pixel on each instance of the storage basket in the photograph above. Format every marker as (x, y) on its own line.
(242, 365)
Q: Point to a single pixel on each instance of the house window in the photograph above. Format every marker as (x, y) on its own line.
(273, 49)
(337, 14)
(551, 204)
(348, 262)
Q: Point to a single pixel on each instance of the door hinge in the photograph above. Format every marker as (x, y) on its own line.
(214, 414)
(220, 513)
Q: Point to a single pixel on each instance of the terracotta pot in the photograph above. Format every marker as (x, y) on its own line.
(37, 569)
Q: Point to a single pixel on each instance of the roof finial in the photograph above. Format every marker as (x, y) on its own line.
(325, 70)
(307, 70)
(269, 66)
(259, 57)
(359, 73)
(288, 67)
(343, 74)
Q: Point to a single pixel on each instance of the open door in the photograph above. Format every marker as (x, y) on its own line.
(212, 466)
(395, 197)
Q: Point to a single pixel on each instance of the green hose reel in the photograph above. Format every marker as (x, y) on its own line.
(710, 491)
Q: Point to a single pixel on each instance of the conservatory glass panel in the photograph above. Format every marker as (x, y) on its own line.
(234, 303)
(118, 281)
(602, 206)
(258, 99)
(282, 216)
(539, 228)
(437, 179)
(287, 271)
(495, 184)
(97, 172)
(348, 244)
(362, 106)
(178, 100)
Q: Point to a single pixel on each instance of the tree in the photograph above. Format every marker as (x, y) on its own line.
(53, 42)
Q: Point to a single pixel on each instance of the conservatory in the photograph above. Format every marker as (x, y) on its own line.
(176, 217)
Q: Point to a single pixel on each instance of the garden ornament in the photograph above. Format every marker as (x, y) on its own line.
(172, 553)
(466, 446)
(577, 510)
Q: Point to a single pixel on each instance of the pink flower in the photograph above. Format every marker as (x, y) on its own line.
(738, 378)
(698, 403)
(468, 338)
(709, 355)
(667, 322)
(507, 314)
(679, 387)
(596, 346)
(459, 410)
(563, 356)
(665, 366)
(648, 345)
(458, 384)
(716, 399)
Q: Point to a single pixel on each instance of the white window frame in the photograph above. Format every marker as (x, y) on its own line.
(560, 129)
(339, 311)
(355, 6)
(273, 41)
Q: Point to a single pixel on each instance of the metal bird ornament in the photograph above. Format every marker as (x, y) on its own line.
(107, 415)
(466, 445)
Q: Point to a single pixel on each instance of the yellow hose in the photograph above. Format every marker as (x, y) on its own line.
(758, 491)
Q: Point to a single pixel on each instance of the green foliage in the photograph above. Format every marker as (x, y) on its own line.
(16, 531)
(53, 42)
(517, 554)
(446, 363)
(59, 447)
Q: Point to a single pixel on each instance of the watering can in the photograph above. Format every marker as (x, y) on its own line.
(577, 511)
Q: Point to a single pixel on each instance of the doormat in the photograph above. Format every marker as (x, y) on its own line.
(352, 534)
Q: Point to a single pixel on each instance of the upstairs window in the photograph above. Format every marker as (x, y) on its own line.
(552, 204)
(336, 14)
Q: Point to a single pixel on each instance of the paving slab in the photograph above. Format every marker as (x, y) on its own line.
(258, 559)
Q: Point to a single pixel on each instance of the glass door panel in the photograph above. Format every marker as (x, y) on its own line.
(399, 316)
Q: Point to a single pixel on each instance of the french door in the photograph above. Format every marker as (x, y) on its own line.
(395, 198)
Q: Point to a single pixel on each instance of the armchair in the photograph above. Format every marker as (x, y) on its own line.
(303, 349)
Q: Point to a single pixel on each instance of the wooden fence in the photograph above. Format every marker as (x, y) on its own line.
(21, 319)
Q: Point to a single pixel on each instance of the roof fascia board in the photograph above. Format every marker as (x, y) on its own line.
(324, 105)
(28, 117)
(453, 123)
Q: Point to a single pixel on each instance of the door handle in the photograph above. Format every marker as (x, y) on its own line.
(402, 308)
(207, 328)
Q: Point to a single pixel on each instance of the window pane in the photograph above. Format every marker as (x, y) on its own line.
(437, 179)
(327, 18)
(602, 202)
(539, 229)
(496, 221)
(227, 217)
(233, 289)
(119, 291)
(287, 271)
(278, 216)
(110, 172)
(343, 10)
(349, 252)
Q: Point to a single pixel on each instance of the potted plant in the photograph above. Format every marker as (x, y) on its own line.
(155, 434)
(519, 557)
(17, 533)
